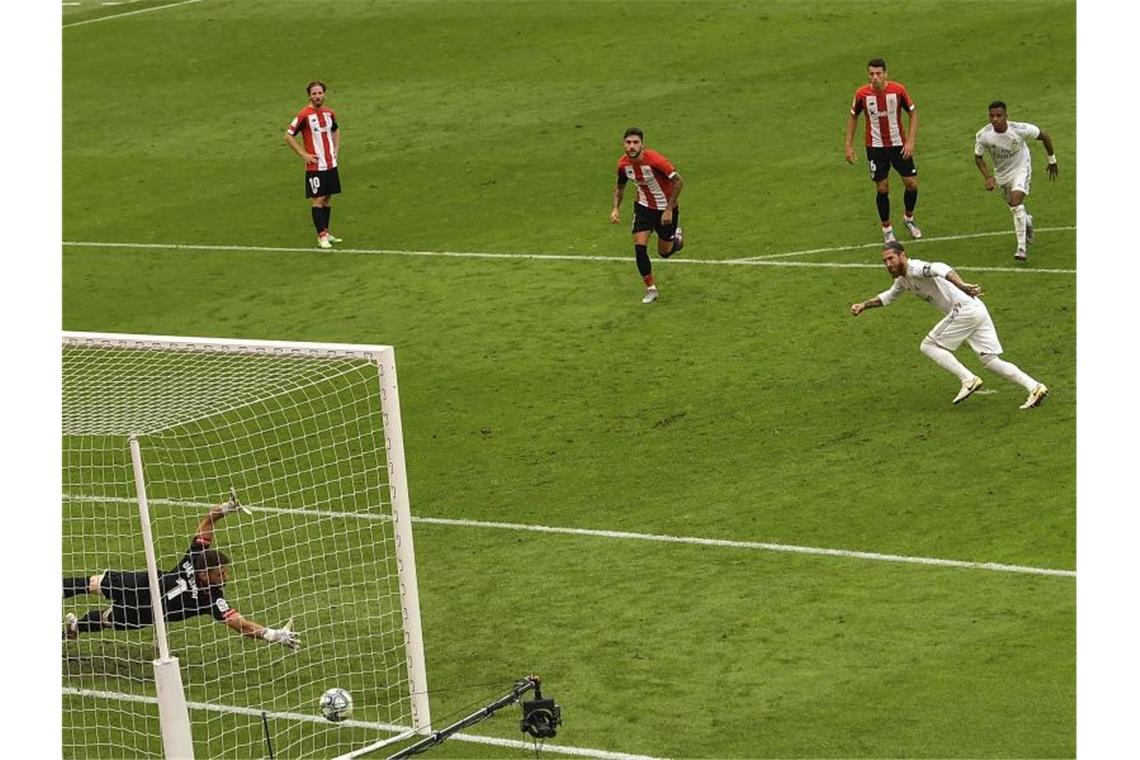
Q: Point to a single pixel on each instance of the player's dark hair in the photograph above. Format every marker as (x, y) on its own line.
(894, 245)
(999, 104)
(634, 131)
(209, 559)
(309, 87)
(877, 63)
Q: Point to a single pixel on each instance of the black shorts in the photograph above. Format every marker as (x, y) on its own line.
(880, 161)
(645, 218)
(129, 594)
(318, 184)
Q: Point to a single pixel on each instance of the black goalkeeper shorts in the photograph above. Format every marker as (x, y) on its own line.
(129, 594)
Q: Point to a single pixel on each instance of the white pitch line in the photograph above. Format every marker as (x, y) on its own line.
(386, 727)
(614, 534)
(878, 245)
(845, 553)
(129, 13)
(528, 256)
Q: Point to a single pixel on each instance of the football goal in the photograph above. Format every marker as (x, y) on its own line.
(156, 432)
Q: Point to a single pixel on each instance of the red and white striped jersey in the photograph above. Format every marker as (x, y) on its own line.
(883, 109)
(316, 125)
(654, 177)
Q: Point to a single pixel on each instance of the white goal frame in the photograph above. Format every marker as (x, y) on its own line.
(385, 361)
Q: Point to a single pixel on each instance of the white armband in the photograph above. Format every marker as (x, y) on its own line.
(1053, 160)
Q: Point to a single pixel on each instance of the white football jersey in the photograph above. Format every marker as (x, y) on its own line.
(1009, 150)
(928, 282)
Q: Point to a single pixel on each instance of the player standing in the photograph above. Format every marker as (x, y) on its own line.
(656, 210)
(882, 103)
(1007, 143)
(321, 134)
(196, 586)
(967, 320)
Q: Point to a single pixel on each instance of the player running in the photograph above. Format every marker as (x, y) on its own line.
(967, 321)
(1007, 142)
(195, 586)
(656, 210)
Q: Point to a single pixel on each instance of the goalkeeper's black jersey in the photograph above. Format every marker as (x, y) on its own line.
(183, 597)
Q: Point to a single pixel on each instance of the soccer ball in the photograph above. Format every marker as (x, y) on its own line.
(336, 705)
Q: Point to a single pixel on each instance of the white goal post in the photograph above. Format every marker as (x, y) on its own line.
(309, 436)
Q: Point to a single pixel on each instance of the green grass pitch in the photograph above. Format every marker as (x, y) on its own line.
(745, 405)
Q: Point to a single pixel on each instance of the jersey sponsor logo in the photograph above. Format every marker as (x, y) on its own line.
(317, 127)
(1004, 153)
(891, 101)
(221, 605)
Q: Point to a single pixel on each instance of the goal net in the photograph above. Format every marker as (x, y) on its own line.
(309, 437)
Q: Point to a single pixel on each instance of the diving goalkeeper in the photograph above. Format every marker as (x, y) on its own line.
(194, 587)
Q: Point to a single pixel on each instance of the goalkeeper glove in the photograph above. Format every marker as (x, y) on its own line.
(231, 505)
(285, 635)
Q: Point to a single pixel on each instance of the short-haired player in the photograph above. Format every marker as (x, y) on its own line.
(882, 103)
(194, 586)
(1007, 143)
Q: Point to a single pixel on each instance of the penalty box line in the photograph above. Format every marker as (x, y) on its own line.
(920, 241)
(623, 535)
(128, 13)
(385, 727)
(770, 261)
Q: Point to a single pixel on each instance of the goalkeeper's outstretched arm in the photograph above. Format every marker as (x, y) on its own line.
(285, 635)
(229, 506)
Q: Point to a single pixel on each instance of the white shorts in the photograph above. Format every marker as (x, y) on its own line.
(1020, 180)
(967, 323)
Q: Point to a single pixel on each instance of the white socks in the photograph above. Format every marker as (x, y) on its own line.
(1019, 220)
(946, 360)
(1008, 370)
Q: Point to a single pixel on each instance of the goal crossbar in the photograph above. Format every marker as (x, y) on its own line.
(275, 347)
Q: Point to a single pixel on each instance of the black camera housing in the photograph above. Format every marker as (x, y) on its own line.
(541, 718)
